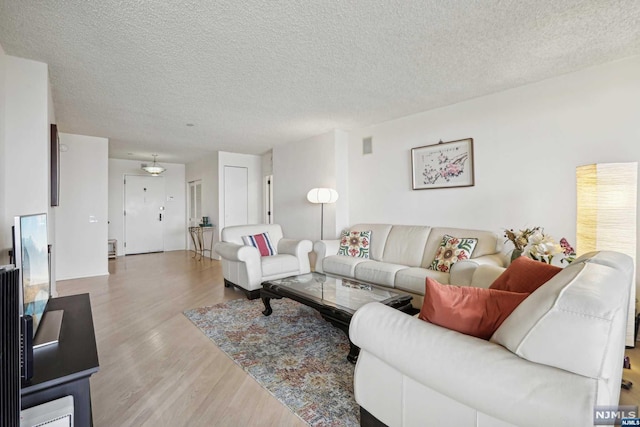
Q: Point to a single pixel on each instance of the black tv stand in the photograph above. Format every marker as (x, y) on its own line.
(64, 368)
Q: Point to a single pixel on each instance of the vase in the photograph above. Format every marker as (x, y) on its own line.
(515, 254)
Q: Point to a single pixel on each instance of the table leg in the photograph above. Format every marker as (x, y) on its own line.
(192, 233)
(267, 306)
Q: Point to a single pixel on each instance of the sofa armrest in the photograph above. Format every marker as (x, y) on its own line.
(462, 271)
(472, 371)
(235, 252)
(324, 248)
(298, 248)
(485, 275)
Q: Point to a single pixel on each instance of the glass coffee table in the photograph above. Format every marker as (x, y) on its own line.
(335, 298)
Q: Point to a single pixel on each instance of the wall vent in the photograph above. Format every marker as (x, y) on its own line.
(367, 145)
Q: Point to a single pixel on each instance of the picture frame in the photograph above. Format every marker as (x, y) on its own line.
(55, 166)
(443, 165)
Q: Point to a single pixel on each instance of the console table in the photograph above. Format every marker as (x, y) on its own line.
(64, 368)
(199, 241)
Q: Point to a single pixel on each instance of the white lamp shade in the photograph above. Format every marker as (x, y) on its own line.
(154, 170)
(322, 195)
(606, 216)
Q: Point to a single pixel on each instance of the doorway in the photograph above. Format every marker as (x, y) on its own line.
(195, 202)
(143, 214)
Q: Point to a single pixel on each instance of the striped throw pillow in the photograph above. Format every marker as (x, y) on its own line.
(262, 242)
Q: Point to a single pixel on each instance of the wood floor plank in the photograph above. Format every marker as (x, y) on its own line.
(156, 368)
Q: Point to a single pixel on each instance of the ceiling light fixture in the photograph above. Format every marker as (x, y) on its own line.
(155, 169)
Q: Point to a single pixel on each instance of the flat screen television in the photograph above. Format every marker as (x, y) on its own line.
(31, 252)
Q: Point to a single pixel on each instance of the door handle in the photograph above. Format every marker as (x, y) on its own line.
(160, 217)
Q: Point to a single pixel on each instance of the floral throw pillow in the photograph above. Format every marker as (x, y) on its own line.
(451, 250)
(355, 243)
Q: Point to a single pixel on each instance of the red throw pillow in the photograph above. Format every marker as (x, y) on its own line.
(473, 311)
(525, 275)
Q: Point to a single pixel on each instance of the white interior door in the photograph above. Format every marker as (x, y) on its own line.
(236, 196)
(144, 212)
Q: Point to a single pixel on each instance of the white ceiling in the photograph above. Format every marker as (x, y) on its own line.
(253, 74)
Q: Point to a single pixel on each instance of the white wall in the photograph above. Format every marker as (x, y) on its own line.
(298, 167)
(175, 222)
(27, 110)
(5, 233)
(527, 141)
(52, 210)
(26, 149)
(254, 169)
(81, 218)
(206, 170)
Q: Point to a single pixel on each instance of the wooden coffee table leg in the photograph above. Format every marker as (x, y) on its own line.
(267, 306)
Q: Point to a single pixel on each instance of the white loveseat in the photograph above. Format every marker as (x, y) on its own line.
(400, 254)
(244, 268)
(557, 356)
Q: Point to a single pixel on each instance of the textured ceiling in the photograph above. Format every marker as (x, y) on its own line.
(257, 73)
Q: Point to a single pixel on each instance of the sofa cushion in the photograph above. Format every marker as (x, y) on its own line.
(380, 273)
(341, 265)
(487, 242)
(472, 311)
(405, 245)
(568, 322)
(379, 234)
(279, 264)
(262, 242)
(413, 279)
(452, 249)
(355, 243)
(525, 275)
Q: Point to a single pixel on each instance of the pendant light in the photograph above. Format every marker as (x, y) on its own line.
(155, 169)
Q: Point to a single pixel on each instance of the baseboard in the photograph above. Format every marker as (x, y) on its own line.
(84, 276)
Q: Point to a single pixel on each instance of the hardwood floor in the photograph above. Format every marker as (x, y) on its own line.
(156, 368)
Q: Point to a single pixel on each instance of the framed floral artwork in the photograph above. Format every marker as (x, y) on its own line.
(443, 165)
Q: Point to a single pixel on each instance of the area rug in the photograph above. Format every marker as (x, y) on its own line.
(296, 355)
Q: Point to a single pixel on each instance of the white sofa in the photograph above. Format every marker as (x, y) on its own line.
(400, 254)
(553, 359)
(244, 268)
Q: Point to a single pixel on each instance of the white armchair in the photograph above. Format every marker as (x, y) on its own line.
(244, 268)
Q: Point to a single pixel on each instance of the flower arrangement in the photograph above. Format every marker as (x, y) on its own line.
(534, 243)
(568, 251)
